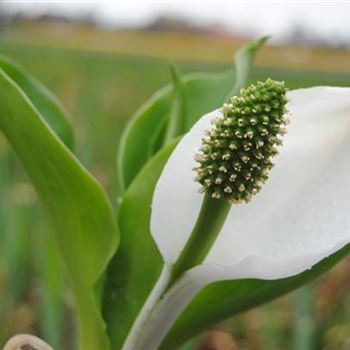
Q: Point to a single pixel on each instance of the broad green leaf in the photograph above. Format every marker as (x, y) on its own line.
(221, 300)
(136, 266)
(201, 92)
(58, 119)
(46, 103)
(86, 231)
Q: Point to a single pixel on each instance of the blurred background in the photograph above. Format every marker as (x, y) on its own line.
(103, 60)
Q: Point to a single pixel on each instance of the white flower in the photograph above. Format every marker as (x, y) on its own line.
(300, 217)
(302, 213)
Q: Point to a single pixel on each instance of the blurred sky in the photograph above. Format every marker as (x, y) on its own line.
(324, 20)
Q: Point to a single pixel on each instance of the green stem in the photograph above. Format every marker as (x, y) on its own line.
(303, 322)
(211, 218)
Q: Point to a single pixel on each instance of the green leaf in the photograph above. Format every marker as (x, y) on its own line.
(46, 103)
(177, 118)
(86, 231)
(201, 93)
(136, 266)
(221, 300)
(244, 62)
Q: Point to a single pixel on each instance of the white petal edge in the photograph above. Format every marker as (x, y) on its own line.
(175, 301)
(298, 215)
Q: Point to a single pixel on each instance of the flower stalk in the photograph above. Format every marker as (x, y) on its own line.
(211, 218)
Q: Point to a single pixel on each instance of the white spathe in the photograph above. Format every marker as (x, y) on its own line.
(302, 213)
(300, 217)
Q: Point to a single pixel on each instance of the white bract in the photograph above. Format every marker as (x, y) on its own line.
(300, 217)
